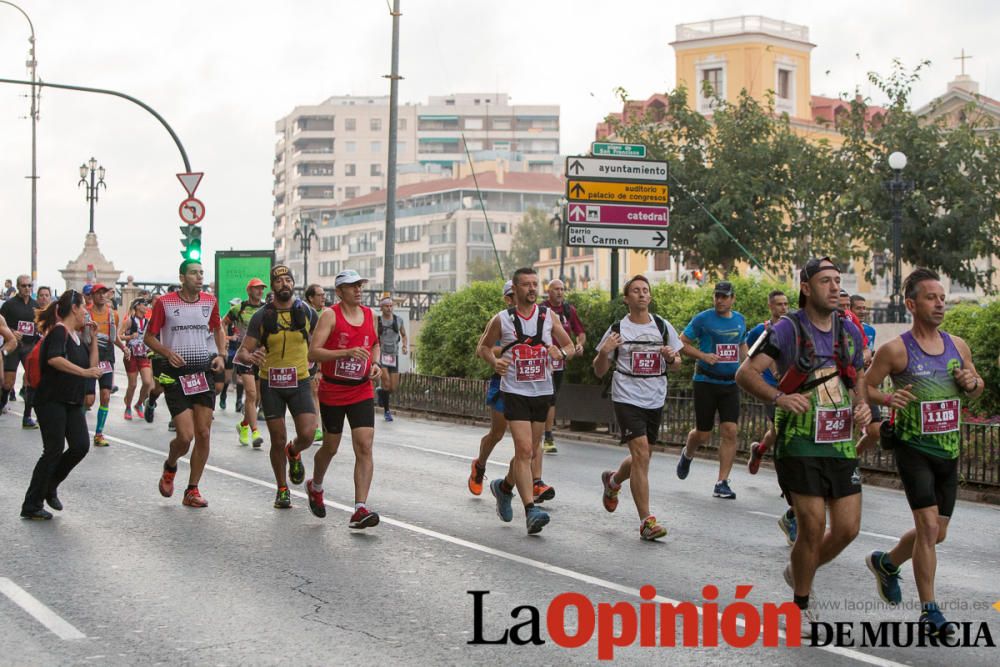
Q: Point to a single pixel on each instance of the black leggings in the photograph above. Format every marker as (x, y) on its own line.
(60, 423)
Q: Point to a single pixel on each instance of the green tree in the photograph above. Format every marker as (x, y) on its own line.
(480, 269)
(450, 334)
(977, 326)
(533, 233)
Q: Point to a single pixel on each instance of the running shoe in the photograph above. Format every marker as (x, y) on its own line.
(362, 518)
(787, 574)
(542, 492)
(789, 526)
(318, 436)
(114, 389)
(128, 414)
(258, 440)
(52, 500)
(316, 504)
(171, 426)
(757, 451)
(239, 406)
(296, 471)
(167, 483)
(476, 477)
(536, 519)
(549, 446)
(650, 530)
(36, 515)
(139, 412)
(504, 510)
(150, 407)
(283, 499)
(722, 490)
(683, 465)
(388, 416)
(610, 496)
(222, 402)
(193, 498)
(243, 431)
(886, 582)
(100, 440)
(932, 616)
(28, 423)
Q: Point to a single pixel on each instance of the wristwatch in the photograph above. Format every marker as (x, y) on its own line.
(777, 396)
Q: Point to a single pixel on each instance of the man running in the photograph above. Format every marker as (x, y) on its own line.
(179, 332)
(818, 404)
(570, 321)
(239, 316)
(931, 373)
(858, 306)
(277, 342)
(721, 334)
(526, 333)
(18, 311)
(346, 346)
(232, 346)
(639, 350)
(316, 298)
(137, 365)
(392, 340)
(105, 317)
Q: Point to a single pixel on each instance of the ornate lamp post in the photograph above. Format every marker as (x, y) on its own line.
(96, 182)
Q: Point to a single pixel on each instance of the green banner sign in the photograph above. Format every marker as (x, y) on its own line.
(235, 268)
(617, 150)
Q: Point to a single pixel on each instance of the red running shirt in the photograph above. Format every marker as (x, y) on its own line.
(345, 335)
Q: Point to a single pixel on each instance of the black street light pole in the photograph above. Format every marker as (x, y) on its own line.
(95, 184)
(559, 220)
(897, 188)
(305, 232)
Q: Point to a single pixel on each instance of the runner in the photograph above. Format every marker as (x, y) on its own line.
(137, 364)
(720, 333)
(820, 398)
(859, 308)
(638, 350)
(178, 331)
(232, 346)
(239, 316)
(277, 342)
(570, 321)
(43, 295)
(931, 373)
(391, 333)
(346, 346)
(106, 318)
(526, 332)
(316, 298)
(18, 312)
(158, 364)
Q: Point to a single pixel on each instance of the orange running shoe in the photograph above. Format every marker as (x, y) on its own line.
(610, 496)
(542, 492)
(193, 499)
(476, 477)
(167, 483)
(757, 451)
(651, 530)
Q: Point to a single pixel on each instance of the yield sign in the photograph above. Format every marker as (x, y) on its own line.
(190, 181)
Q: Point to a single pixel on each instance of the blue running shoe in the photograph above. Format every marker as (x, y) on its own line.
(722, 490)
(504, 510)
(683, 465)
(536, 520)
(886, 582)
(789, 526)
(932, 616)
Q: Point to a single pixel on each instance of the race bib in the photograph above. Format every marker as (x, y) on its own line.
(105, 367)
(834, 424)
(727, 352)
(27, 328)
(195, 383)
(138, 348)
(349, 368)
(647, 362)
(283, 378)
(939, 416)
(529, 363)
(387, 359)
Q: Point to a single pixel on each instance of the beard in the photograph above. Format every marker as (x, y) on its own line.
(284, 294)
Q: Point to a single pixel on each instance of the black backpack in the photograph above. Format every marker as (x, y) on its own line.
(300, 316)
(535, 339)
(805, 361)
(394, 326)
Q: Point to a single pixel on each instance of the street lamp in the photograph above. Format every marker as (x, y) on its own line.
(559, 220)
(96, 182)
(305, 232)
(897, 188)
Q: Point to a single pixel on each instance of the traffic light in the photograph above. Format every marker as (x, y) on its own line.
(191, 242)
(698, 276)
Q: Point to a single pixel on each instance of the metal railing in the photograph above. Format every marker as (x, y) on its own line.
(979, 461)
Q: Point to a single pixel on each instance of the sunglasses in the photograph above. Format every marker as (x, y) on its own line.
(24, 284)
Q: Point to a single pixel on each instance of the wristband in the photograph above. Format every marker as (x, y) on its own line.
(563, 353)
(887, 400)
(777, 396)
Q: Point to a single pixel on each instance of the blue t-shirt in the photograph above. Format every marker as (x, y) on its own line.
(870, 333)
(721, 336)
(752, 337)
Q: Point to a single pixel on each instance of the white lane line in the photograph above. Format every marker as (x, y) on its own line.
(862, 532)
(454, 456)
(522, 560)
(39, 611)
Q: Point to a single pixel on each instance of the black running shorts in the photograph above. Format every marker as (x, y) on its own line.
(711, 398)
(299, 400)
(928, 480)
(818, 476)
(177, 402)
(359, 415)
(518, 408)
(635, 422)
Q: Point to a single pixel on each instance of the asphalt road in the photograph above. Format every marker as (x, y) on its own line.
(124, 576)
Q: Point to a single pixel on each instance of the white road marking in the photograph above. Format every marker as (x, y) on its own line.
(522, 560)
(862, 532)
(39, 611)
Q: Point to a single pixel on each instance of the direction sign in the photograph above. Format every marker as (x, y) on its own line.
(623, 170)
(190, 181)
(613, 192)
(617, 150)
(600, 236)
(614, 214)
(191, 210)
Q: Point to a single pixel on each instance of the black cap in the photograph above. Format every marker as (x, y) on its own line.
(724, 287)
(811, 268)
(280, 270)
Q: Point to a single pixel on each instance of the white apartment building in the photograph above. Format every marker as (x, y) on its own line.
(337, 150)
(441, 235)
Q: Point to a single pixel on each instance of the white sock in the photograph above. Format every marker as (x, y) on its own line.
(316, 486)
(358, 506)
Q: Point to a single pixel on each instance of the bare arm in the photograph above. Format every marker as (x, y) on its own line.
(486, 344)
(562, 338)
(890, 358)
(689, 350)
(967, 377)
(750, 379)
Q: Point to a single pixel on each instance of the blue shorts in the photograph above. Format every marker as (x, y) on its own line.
(494, 397)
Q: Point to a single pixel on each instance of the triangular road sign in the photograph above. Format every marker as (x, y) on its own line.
(190, 181)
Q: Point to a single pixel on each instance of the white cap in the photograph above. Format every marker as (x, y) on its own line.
(508, 288)
(348, 277)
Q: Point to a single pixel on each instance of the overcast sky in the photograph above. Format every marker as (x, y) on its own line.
(221, 73)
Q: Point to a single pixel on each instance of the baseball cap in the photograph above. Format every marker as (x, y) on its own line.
(281, 270)
(87, 289)
(724, 287)
(255, 282)
(348, 277)
(98, 287)
(508, 288)
(810, 269)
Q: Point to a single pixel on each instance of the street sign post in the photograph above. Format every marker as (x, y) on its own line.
(617, 150)
(606, 236)
(615, 192)
(616, 169)
(614, 214)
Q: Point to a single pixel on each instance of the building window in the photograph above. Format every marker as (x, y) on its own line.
(350, 170)
(376, 147)
(400, 147)
(374, 188)
(350, 124)
(473, 123)
(711, 78)
(350, 146)
(784, 91)
(376, 170)
(401, 124)
(661, 261)
(350, 192)
(784, 84)
(711, 82)
(375, 124)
